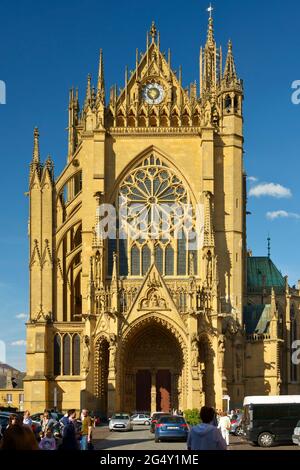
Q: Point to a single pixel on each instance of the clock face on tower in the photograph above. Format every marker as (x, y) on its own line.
(153, 93)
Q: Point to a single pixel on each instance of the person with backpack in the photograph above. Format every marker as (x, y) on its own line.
(206, 436)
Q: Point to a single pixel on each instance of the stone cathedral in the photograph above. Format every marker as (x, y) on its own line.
(153, 323)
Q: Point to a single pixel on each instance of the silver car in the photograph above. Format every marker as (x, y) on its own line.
(141, 419)
(296, 435)
(120, 422)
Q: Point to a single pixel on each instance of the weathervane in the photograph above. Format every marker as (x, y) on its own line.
(210, 10)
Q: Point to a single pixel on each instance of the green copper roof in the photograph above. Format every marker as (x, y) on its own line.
(262, 273)
(257, 319)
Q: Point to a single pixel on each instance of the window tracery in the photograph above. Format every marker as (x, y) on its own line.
(155, 221)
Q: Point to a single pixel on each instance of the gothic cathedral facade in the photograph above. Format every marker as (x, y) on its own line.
(135, 323)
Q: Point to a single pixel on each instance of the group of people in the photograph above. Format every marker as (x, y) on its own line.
(212, 433)
(67, 434)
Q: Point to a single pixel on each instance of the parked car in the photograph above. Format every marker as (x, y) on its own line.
(155, 417)
(296, 435)
(171, 428)
(270, 420)
(141, 419)
(120, 422)
(4, 419)
(236, 425)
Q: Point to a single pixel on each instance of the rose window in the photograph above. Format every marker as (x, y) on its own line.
(155, 216)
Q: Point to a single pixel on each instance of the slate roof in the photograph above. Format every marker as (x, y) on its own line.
(257, 319)
(262, 273)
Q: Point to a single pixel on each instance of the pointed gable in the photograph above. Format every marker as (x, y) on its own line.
(153, 296)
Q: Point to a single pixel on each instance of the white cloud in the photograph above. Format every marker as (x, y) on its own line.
(282, 215)
(20, 342)
(270, 189)
(252, 179)
(22, 316)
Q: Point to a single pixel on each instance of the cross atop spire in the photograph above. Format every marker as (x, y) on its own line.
(210, 33)
(210, 9)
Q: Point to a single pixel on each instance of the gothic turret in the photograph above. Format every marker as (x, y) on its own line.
(73, 122)
(210, 64)
(35, 165)
(231, 87)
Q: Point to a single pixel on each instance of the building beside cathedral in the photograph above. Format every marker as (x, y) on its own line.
(132, 323)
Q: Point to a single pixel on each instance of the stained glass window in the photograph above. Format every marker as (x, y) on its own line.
(181, 256)
(146, 258)
(159, 258)
(135, 261)
(76, 354)
(66, 355)
(57, 355)
(153, 200)
(169, 267)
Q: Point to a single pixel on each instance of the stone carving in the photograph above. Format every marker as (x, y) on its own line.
(86, 355)
(207, 114)
(205, 324)
(230, 326)
(194, 354)
(112, 351)
(209, 269)
(153, 282)
(221, 352)
(153, 301)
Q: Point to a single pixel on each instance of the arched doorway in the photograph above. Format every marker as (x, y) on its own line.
(152, 366)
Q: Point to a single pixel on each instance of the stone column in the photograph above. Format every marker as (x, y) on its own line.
(153, 391)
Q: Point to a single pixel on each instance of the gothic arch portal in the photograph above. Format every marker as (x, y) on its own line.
(152, 366)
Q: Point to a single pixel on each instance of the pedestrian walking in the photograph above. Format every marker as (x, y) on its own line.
(206, 436)
(86, 430)
(225, 426)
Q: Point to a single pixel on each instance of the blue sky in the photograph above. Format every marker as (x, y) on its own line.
(46, 47)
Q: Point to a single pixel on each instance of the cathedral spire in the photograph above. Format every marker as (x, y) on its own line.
(49, 165)
(230, 70)
(210, 33)
(153, 31)
(36, 147)
(88, 96)
(209, 61)
(101, 85)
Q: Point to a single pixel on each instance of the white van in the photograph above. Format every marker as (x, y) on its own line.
(270, 419)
